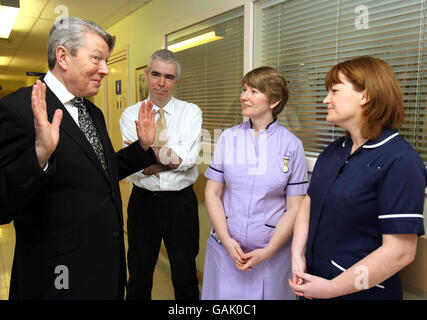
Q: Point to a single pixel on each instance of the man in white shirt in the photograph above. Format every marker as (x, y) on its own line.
(163, 204)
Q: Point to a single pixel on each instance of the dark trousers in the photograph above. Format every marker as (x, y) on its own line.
(173, 217)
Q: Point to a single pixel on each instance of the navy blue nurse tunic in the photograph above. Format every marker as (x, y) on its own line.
(357, 198)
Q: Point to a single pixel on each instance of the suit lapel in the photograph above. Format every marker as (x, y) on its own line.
(69, 126)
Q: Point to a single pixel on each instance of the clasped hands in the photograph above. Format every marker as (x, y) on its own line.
(302, 283)
(245, 261)
(307, 285)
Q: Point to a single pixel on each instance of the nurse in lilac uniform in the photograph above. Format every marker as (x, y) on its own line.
(257, 179)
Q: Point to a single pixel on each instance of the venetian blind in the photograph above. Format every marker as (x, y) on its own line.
(304, 39)
(211, 73)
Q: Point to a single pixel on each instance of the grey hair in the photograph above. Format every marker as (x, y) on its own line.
(68, 32)
(165, 55)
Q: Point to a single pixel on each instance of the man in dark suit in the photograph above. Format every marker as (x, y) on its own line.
(60, 174)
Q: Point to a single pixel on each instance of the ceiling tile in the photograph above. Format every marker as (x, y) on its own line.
(6, 55)
(11, 43)
(25, 54)
(121, 12)
(25, 61)
(41, 29)
(94, 10)
(31, 8)
(34, 44)
(4, 61)
(22, 26)
(7, 52)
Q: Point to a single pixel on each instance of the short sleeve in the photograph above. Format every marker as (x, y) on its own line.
(215, 170)
(401, 197)
(298, 182)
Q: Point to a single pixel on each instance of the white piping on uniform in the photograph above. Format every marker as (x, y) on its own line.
(403, 215)
(337, 265)
(342, 269)
(382, 142)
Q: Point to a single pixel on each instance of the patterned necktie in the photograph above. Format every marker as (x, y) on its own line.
(161, 130)
(86, 125)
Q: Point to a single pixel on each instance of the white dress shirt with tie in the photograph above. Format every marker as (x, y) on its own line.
(62, 94)
(184, 123)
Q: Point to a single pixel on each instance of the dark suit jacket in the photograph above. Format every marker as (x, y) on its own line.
(68, 220)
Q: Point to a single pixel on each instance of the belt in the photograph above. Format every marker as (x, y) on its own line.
(160, 193)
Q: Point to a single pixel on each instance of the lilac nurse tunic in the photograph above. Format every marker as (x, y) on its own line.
(258, 175)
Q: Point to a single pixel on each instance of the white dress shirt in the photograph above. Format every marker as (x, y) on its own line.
(184, 124)
(62, 94)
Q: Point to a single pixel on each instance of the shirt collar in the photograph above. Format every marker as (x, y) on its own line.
(58, 88)
(168, 108)
(386, 135)
(270, 128)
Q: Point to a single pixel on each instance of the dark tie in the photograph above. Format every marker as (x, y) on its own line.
(86, 125)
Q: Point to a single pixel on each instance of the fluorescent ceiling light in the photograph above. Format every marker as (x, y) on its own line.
(8, 12)
(4, 61)
(194, 42)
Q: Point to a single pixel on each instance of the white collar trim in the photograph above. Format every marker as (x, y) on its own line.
(371, 146)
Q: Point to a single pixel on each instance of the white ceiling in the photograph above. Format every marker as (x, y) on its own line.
(25, 50)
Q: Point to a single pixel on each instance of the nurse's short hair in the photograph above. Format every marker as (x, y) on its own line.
(384, 108)
(271, 83)
(69, 32)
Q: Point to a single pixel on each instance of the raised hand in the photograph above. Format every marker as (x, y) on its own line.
(145, 125)
(47, 134)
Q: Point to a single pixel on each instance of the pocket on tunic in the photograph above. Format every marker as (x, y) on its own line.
(272, 221)
(270, 224)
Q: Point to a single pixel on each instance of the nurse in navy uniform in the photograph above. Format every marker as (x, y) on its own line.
(359, 223)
